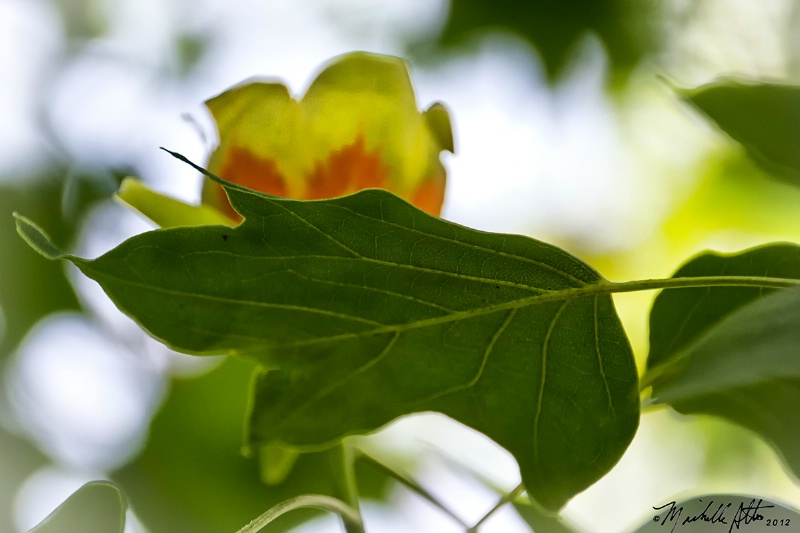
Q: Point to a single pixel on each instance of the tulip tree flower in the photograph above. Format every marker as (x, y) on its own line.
(356, 127)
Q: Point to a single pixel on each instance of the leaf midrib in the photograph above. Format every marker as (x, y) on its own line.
(381, 262)
(601, 287)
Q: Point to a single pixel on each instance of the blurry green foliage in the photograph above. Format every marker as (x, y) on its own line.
(30, 289)
(192, 476)
(763, 117)
(626, 28)
(96, 507)
(190, 49)
(18, 460)
(81, 19)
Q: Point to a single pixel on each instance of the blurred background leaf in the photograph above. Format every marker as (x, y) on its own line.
(30, 289)
(97, 507)
(191, 476)
(18, 460)
(762, 117)
(626, 29)
(542, 521)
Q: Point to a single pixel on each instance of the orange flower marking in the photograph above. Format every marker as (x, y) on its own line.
(243, 167)
(430, 196)
(347, 170)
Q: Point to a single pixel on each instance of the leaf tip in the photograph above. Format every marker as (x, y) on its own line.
(37, 238)
(197, 167)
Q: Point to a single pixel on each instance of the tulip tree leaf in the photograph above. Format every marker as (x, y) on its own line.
(680, 317)
(762, 117)
(362, 309)
(733, 352)
(96, 507)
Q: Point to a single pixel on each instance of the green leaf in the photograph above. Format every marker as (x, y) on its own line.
(680, 317)
(96, 507)
(763, 117)
(754, 344)
(733, 351)
(721, 512)
(366, 309)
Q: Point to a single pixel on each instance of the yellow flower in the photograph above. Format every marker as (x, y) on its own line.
(357, 126)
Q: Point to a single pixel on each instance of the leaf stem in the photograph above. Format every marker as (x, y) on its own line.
(316, 501)
(656, 372)
(649, 406)
(341, 463)
(699, 281)
(511, 496)
(560, 295)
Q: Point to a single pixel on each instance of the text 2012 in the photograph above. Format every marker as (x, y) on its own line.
(777, 522)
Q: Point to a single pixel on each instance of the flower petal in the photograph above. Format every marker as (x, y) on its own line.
(357, 126)
(165, 211)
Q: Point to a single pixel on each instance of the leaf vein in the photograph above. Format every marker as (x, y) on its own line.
(600, 357)
(484, 361)
(238, 301)
(540, 264)
(331, 387)
(542, 381)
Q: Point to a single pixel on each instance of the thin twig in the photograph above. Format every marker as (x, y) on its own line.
(510, 497)
(413, 486)
(316, 501)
